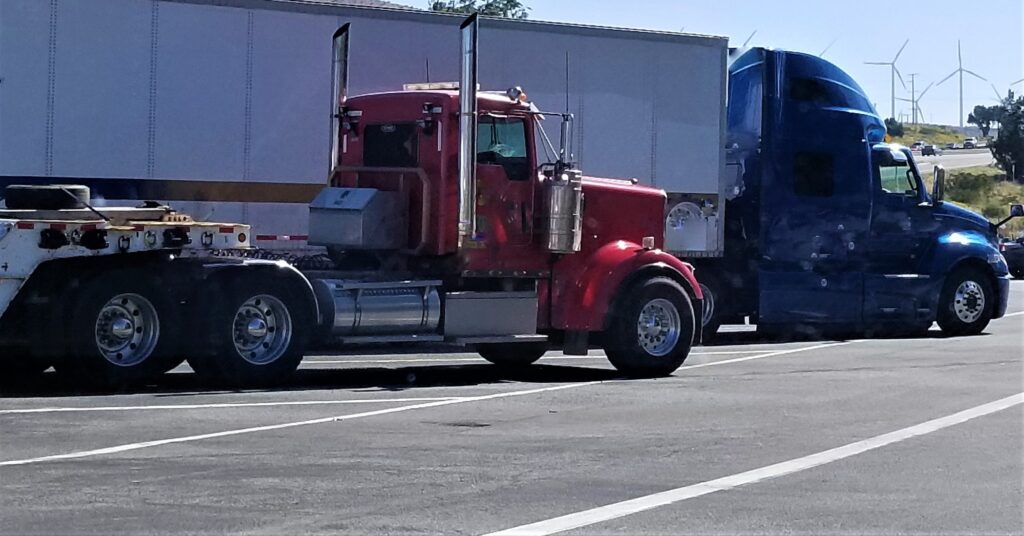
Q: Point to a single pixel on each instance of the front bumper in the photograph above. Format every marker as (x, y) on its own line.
(1003, 293)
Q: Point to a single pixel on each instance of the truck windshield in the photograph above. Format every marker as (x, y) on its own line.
(502, 141)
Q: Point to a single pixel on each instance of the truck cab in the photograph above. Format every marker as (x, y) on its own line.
(835, 227)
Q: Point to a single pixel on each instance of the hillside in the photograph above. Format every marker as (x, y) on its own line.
(985, 190)
(939, 134)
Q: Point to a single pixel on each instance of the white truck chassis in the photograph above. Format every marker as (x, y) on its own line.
(120, 295)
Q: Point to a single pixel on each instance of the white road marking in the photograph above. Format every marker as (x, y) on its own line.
(770, 354)
(374, 401)
(224, 405)
(339, 418)
(625, 508)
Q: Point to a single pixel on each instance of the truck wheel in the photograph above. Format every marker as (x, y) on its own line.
(513, 355)
(18, 364)
(711, 317)
(651, 333)
(1017, 273)
(122, 332)
(966, 303)
(45, 197)
(257, 334)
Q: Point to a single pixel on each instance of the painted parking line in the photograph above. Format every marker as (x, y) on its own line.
(359, 401)
(593, 516)
(339, 418)
(225, 405)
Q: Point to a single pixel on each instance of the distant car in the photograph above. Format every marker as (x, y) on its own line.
(1013, 252)
(970, 143)
(931, 150)
(951, 146)
(917, 145)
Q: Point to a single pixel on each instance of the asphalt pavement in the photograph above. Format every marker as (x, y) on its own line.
(891, 436)
(955, 159)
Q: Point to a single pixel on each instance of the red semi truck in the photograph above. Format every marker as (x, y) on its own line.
(444, 224)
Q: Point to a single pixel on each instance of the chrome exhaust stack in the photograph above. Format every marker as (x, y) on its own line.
(467, 130)
(339, 91)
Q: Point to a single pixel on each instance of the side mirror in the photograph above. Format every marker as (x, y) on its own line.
(1016, 211)
(939, 185)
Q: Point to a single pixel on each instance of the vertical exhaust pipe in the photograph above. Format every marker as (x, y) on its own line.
(339, 91)
(467, 130)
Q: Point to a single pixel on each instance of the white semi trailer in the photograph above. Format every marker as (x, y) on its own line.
(218, 106)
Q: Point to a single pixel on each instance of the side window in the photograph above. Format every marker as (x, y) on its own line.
(501, 141)
(814, 174)
(897, 180)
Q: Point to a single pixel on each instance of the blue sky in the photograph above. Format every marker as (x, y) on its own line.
(991, 31)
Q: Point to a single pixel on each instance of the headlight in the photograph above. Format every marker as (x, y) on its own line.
(996, 258)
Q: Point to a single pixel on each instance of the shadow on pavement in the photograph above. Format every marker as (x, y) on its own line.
(808, 334)
(51, 384)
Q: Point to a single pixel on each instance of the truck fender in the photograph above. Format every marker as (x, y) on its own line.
(276, 269)
(968, 248)
(587, 299)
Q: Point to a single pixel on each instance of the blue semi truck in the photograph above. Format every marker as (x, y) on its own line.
(830, 226)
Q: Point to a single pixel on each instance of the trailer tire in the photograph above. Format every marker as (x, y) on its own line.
(46, 197)
(651, 331)
(513, 355)
(123, 331)
(712, 307)
(966, 303)
(258, 332)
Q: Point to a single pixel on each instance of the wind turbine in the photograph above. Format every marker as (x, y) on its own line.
(960, 70)
(1017, 82)
(895, 73)
(915, 99)
(828, 47)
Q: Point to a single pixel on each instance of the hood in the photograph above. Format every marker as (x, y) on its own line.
(963, 216)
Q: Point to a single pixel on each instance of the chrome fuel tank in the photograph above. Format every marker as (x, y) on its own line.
(360, 308)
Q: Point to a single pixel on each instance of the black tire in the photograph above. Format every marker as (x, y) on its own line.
(664, 352)
(123, 331)
(1017, 273)
(969, 311)
(46, 197)
(712, 313)
(18, 364)
(267, 355)
(513, 355)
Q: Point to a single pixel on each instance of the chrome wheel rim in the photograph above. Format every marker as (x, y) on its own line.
(127, 330)
(658, 327)
(262, 329)
(709, 305)
(969, 302)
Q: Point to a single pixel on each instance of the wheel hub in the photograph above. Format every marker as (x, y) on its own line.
(658, 327)
(257, 328)
(969, 302)
(127, 330)
(262, 329)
